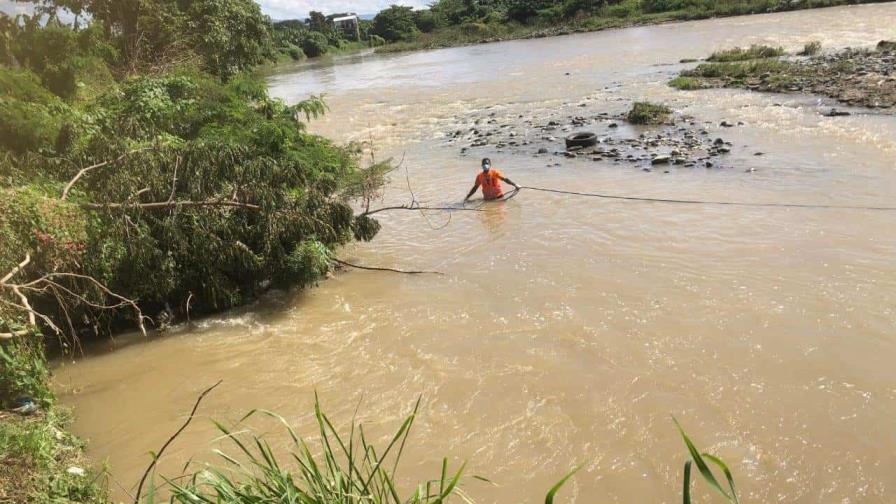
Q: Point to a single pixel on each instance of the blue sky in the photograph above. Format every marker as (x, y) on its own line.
(286, 9)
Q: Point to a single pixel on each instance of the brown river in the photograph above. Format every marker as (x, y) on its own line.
(569, 330)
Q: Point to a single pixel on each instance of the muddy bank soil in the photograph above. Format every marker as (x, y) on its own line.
(855, 77)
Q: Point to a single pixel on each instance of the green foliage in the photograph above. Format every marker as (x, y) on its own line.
(396, 23)
(315, 44)
(248, 187)
(527, 18)
(35, 455)
(349, 470)
(686, 83)
(30, 116)
(811, 48)
(648, 113)
(425, 20)
(308, 263)
(699, 459)
(738, 69)
(23, 370)
(230, 35)
(751, 53)
(296, 53)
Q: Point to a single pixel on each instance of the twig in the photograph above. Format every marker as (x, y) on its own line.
(189, 300)
(170, 440)
(16, 270)
(415, 208)
(174, 180)
(369, 268)
(84, 171)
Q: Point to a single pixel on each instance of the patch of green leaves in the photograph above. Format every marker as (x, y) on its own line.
(648, 113)
(700, 460)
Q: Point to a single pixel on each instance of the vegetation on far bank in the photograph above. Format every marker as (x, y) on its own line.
(459, 22)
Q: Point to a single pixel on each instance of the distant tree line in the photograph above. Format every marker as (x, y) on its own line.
(399, 23)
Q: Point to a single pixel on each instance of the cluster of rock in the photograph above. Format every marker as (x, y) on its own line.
(679, 142)
(855, 77)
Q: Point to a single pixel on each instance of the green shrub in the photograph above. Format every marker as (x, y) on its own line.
(648, 113)
(395, 23)
(811, 48)
(686, 83)
(23, 370)
(738, 69)
(739, 54)
(315, 44)
(296, 53)
(27, 126)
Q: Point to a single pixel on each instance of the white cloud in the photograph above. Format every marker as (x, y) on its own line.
(283, 9)
(288, 9)
(13, 8)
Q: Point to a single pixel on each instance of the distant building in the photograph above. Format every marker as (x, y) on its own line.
(348, 25)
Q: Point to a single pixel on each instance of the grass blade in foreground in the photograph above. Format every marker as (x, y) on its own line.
(705, 471)
(553, 492)
(333, 476)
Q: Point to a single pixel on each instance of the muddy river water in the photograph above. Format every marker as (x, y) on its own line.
(569, 330)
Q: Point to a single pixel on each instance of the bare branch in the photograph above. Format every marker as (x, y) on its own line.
(369, 268)
(163, 205)
(416, 208)
(158, 455)
(84, 171)
(17, 269)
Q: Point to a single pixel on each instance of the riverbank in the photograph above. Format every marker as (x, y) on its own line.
(624, 14)
(40, 461)
(146, 180)
(854, 77)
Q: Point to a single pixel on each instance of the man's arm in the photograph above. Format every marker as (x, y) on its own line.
(510, 182)
(472, 191)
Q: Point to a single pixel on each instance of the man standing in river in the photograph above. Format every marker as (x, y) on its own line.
(490, 181)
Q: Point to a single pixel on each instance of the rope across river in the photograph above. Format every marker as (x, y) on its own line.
(708, 202)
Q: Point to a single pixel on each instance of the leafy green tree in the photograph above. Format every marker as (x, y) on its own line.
(315, 44)
(523, 10)
(230, 35)
(319, 23)
(396, 23)
(425, 20)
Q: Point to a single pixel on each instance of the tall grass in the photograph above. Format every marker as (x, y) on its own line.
(648, 113)
(750, 53)
(348, 470)
(343, 470)
(739, 69)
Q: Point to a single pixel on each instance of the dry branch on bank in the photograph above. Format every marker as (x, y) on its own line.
(50, 284)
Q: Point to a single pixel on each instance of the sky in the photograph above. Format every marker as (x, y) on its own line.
(287, 9)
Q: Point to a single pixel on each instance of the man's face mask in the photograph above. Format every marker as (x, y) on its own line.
(486, 166)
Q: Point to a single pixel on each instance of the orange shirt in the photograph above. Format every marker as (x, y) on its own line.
(491, 184)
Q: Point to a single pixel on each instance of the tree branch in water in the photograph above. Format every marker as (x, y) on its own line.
(158, 455)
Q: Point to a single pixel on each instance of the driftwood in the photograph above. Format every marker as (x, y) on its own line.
(393, 270)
